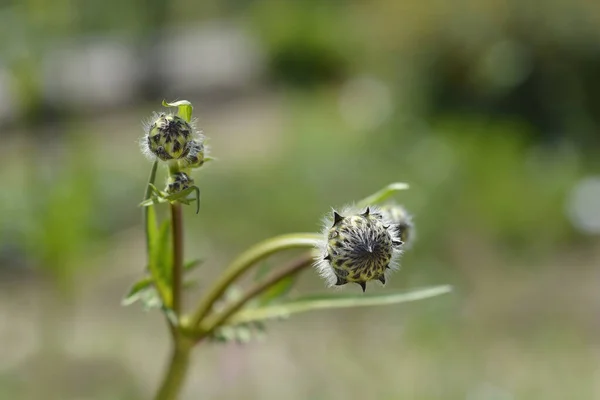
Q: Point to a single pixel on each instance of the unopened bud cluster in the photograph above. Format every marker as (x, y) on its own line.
(170, 138)
(358, 247)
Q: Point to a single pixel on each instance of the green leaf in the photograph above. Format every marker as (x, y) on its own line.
(148, 296)
(383, 194)
(150, 213)
(193, 264)
(332, 301)
(182, 196)
(277, 291)
(184, 108)
(160, 261)
(134, 292)
(153, 201)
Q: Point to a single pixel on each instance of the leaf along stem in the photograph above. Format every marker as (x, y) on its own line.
(244, 262)
(177, 236)
(147, 195)
(216, 320)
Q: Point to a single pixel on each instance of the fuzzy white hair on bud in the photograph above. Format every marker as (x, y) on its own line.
(357, 246)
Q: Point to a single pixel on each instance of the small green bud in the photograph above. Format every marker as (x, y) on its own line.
(357, 247)
(178, 182)
(194, 157)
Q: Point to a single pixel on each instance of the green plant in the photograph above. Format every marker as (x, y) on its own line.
(360, 244)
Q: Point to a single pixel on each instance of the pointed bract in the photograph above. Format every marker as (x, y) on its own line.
(337, 218)
(382, 279)
(366, 213)
(363, 285)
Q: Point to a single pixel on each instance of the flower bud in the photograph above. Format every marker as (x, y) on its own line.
(358, 247)
(168, 137)
(177, 182)
(401, 221)
(194, 155)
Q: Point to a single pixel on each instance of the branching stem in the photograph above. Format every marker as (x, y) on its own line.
(244, 262)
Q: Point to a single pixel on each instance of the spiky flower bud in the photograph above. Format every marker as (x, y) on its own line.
(195, 156)
(170, 137)
(358, 247)
(401, 221)
(177, 182)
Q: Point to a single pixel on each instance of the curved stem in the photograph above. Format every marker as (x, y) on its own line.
(244, 262)
(172, 383)
(177, 233)
(293, 268)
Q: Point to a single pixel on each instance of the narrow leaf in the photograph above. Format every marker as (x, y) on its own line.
(184, 108)
(134, 292)
(183, 196)
(383, 194)
(193, 264)
(160, 261)
(333, 301)
(277, 291)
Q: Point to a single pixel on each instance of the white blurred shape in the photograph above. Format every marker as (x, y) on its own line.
(218, 55)
(583, 206)
(100, 72)
(365, 103)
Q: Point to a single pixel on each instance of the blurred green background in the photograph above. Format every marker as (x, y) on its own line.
(490, 110)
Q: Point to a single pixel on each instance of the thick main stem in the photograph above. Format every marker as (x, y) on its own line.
(177, 234)
(174, 379)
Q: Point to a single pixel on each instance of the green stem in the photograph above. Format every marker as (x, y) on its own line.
(172, 383)
(214, 321)
(244, 262)
(177, 234)
(147, 195)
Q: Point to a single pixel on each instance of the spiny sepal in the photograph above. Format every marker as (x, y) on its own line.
(363, 286)
(337, 218)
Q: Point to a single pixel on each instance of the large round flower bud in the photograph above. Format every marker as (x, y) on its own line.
(168, 137)
(358, 247)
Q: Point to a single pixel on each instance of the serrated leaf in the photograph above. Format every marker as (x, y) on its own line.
(277, 291)
(184, 108)
(383, 194)
(134, 292)
(333, 301)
